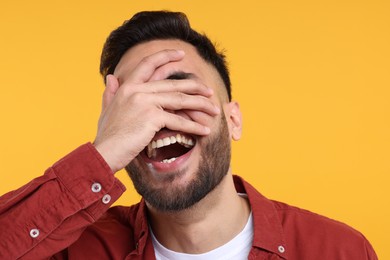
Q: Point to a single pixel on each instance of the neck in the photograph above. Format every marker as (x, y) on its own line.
(210, 223)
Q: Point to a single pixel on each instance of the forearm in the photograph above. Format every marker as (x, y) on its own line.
(50, 213)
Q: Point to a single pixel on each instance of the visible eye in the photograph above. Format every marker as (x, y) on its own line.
(180, 75)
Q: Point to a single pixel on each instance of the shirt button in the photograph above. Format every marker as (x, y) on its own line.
(106, 199)
(34, 233)
(96, 187)
(281, 249)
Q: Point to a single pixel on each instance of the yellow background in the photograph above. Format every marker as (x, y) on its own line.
(312, 78)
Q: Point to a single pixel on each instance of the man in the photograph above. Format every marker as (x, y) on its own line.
(167, 118)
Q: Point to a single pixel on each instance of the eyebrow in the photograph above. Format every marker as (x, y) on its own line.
(181, 75)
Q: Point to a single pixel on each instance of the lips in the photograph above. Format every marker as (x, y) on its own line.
(167, 147)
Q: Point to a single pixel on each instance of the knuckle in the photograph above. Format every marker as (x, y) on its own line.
(149, 113)
(127, 91)
(182, 98)
(196, 83)
(146, 60)
(182, 122)
(172, 83)
(204, 102)
(138, 98)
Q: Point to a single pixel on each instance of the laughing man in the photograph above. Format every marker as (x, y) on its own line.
(168, 118)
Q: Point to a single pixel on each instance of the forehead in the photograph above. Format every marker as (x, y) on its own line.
(191, 63)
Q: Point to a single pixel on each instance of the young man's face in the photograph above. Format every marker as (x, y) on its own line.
(187, 167)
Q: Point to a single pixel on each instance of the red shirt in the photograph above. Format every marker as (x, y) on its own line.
(65, 214)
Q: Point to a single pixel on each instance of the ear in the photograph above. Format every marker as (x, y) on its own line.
(234, 120)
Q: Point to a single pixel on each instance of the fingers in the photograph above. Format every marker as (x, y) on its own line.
(187, 86)
(140, 78)
(165, 110)
(180, 101)
(197, 116)
(135, 109)
(179, 123)
(148, 65)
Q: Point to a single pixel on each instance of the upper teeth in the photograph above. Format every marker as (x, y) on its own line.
(181, 139)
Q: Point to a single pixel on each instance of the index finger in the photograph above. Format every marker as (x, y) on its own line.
(145, 68)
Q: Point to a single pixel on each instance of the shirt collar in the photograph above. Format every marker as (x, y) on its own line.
(268, 231)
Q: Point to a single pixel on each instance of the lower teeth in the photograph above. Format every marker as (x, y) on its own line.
(168, 160)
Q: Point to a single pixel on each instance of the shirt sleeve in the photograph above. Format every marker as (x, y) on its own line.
(371, 255)
(49, 213)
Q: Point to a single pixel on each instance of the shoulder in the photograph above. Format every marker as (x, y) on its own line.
(309, 231)
(291, 216)
(307, 235)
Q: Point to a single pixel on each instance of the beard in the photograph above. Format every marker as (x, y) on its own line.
(213, 166)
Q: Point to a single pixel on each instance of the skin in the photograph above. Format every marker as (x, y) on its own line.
(138, 102)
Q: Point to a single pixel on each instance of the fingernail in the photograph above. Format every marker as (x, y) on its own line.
(207, 130)
(181, 52)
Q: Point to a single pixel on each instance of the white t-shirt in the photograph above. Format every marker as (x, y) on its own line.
(236, 249)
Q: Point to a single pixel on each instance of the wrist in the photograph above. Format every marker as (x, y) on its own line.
(107, 155)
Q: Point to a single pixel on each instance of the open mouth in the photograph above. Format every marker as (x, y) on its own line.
(169, 148)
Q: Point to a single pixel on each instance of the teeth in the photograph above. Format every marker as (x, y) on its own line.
(167, 141)
(160, 143)
(151, 150)
(186, 142)
(169, 160)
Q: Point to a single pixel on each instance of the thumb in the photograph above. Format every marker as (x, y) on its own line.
(112, 86)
